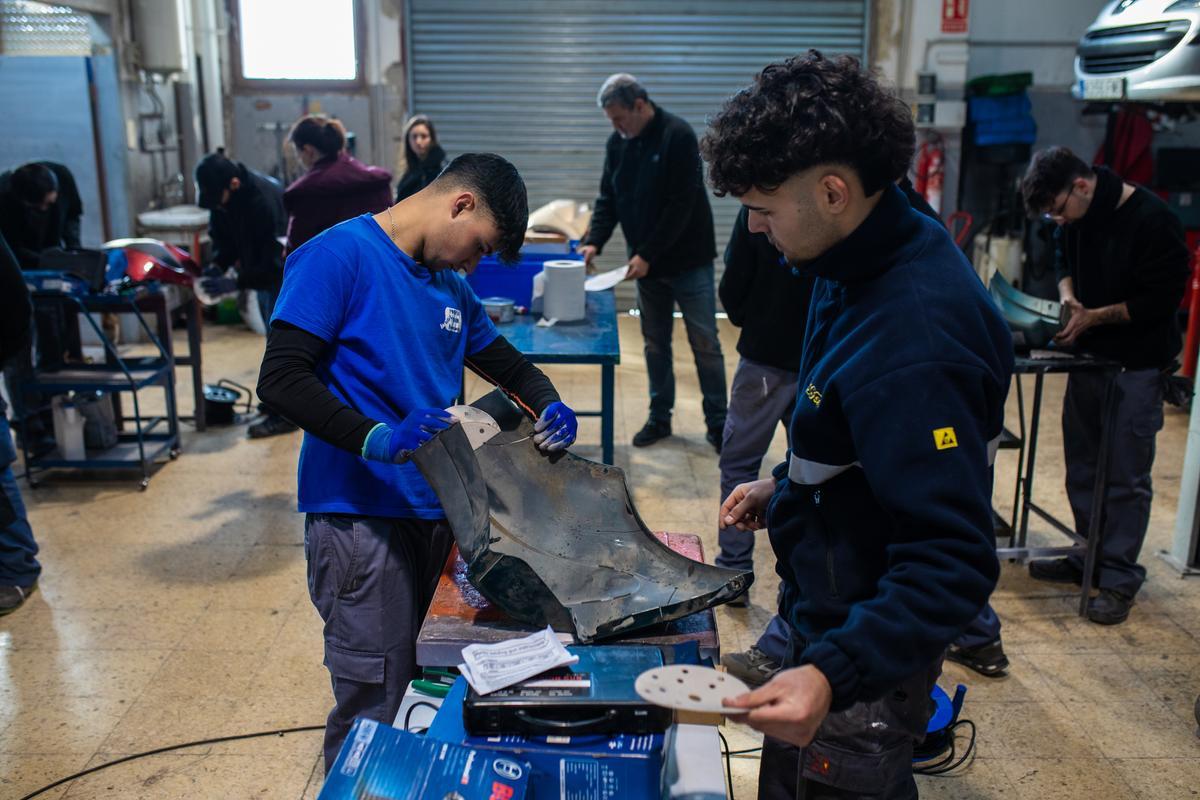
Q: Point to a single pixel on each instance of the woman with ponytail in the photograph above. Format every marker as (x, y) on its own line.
(335, 187)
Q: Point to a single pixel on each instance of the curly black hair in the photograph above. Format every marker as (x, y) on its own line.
(1051, 171)
(806, 111)
(498, 184)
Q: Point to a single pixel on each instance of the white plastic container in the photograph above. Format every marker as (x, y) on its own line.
(68, 429)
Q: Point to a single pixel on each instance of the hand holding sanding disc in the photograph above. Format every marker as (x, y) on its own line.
(685, 687)
(478, 425)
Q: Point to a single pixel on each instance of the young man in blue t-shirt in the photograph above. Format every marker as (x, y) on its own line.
(370, 335)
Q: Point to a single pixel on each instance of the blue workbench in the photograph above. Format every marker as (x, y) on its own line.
(592, 340)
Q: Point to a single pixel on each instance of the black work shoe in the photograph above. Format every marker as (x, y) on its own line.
(273, 425)
(753, 666)
(714, 437)
(651, 432)
(1110, 607)
(12, 597)
(986, 659)
(1056, 570)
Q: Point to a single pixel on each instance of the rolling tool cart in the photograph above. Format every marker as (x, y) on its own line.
(141, 439)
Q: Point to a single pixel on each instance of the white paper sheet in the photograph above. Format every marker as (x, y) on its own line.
(606, 280)
(489, 667)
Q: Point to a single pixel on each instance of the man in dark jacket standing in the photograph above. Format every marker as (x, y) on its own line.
(653, 186)
(881, 518)
(248, 228)
(39, 209)
(19, 568)
(1122, 269)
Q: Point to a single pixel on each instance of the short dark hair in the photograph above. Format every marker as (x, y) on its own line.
(806, 111)
(213, 175)
(33, 181)
(324, 133)
(1051, 171)
(621, 89)
(498, 184)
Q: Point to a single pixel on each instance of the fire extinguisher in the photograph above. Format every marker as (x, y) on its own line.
(931, 172)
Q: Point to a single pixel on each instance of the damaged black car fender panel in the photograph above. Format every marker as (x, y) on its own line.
(557, 540)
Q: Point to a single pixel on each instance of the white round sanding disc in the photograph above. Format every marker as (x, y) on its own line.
(477, 425)
(689, 688)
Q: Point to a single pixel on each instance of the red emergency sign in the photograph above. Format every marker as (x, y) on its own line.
(954, 16)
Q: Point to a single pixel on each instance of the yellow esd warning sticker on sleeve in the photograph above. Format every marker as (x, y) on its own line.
(944, 438)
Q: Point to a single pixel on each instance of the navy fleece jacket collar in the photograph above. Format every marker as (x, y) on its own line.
(888, 236)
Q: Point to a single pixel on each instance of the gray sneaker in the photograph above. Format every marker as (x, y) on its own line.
(753, 666)
(12, 597)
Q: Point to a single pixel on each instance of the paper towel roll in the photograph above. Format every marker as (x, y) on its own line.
(565, 295)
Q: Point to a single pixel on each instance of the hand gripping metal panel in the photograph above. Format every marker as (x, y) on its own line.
(556, 539)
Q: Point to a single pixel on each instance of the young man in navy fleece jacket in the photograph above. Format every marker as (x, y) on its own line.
(881, 518)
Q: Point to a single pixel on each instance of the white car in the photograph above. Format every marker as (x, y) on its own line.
(1141, 50)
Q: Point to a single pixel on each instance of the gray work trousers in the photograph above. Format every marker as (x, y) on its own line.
(760, 398)
(863, 752)
(1139, 418)
(371, 580)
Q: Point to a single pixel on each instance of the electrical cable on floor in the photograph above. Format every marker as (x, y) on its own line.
(414, 707)
(728, 764)
(729, 754)
(744, 752)
(948, 762)
(169, 748)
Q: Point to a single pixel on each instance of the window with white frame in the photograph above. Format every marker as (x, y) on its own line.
(300, 40)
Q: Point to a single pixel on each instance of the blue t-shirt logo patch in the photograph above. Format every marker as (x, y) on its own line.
(453, 321)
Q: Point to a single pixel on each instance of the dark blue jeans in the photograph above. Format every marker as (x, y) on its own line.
(696, 295)
(18, 562)
(1139, 418)
(266, 304)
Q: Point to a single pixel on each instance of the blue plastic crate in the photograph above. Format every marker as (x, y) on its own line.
(1013, 131)
(493, 279)
(1005, 107)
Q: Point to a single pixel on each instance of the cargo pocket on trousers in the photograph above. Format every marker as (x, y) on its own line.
(354, 665)
(855, 771)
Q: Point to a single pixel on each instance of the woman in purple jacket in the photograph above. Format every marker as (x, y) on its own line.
(336, 186)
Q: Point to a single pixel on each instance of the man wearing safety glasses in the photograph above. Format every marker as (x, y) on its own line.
(1122, 266)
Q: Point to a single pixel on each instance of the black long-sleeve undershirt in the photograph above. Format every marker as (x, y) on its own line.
(288, 383)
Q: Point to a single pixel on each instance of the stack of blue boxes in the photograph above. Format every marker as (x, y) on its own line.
(999, 111)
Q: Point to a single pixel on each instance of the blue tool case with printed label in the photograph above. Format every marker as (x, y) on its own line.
(379, 762)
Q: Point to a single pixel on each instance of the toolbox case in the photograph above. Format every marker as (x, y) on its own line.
(593, 696)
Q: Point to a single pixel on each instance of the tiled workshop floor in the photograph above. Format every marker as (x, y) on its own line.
(181, 613)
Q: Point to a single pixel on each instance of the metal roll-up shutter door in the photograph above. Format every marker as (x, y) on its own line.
(520, 78)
